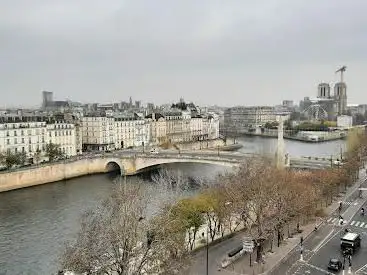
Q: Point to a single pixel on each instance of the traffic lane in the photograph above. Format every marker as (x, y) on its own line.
(217, 253)
(312, 241)
(303, 268)
(332, 249)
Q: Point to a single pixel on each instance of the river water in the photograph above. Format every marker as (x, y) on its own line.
(36, 222)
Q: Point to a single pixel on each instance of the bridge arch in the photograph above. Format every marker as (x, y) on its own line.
(154, 162)
(112, 166)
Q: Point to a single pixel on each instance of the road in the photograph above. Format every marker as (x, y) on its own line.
(217, 253)
(325, 243)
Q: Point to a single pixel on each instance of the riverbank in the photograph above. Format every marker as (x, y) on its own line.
(303, 136)
(87, 165)
(50, 172)
(215, 144)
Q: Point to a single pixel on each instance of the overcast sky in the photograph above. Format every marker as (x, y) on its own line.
(225, 52)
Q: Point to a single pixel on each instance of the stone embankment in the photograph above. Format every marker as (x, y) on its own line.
(305, 136)
(215, 144)
(51, 172)
(77, 167)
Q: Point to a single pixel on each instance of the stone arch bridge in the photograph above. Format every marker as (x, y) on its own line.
(134, 164)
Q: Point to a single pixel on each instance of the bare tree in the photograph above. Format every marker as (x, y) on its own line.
(116, 238)
(251, 192)
(171, 180)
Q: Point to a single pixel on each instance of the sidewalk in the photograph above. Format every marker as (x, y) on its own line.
(278, 254)
(272, 260)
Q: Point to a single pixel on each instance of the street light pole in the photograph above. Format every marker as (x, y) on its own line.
(207, 251)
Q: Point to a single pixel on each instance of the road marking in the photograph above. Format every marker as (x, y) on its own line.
(357, 223)
(319, 269)
(356, 203)
(322, 242)
(361, 270)
(329, 219)
(361, 225)
(352, 222)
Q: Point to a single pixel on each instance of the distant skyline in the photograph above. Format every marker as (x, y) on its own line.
(212, 52)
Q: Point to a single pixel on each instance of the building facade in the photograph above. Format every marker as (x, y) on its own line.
(98, 133)
(174, 126)
(64, 135)
(242, 118)
(158, 128)
(26, 137)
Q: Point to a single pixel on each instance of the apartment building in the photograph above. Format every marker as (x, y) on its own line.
(22, 135)
(240, 118)
(174, 126)
(158, 128)
(98, 133)
(132, 131)
(196, 126)
(63, 134)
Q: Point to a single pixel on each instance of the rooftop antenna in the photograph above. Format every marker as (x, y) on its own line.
(341, 71)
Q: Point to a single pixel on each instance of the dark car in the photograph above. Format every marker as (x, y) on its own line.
(335, 264)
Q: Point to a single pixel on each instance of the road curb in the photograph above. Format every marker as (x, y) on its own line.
(280, 261)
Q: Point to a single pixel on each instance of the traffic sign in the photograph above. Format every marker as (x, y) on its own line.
(248, 244)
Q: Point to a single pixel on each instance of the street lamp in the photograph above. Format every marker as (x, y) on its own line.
(207, 250)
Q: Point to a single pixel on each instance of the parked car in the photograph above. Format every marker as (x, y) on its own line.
(154, 151)
(335, 264)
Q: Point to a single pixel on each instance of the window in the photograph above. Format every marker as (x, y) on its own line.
(30, 148)
(50, 134)
(16, 150)
(7, 133)
(29, 140)
(23, 149)
(15, 133)
(8, 141)
(22, 140)
(22, 132)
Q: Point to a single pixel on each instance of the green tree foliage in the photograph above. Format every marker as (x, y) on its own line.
(271, 125)
(53, 151)
(308, 126)
(10, 159)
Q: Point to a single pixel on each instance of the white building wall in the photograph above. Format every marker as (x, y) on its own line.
(344, 121)
(23, 137)
(63, 134)
(196, 125)
(98, 133)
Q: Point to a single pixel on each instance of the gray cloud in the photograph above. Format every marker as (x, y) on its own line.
(210, 51)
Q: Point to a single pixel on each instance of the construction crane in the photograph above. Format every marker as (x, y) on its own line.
(341, 71)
